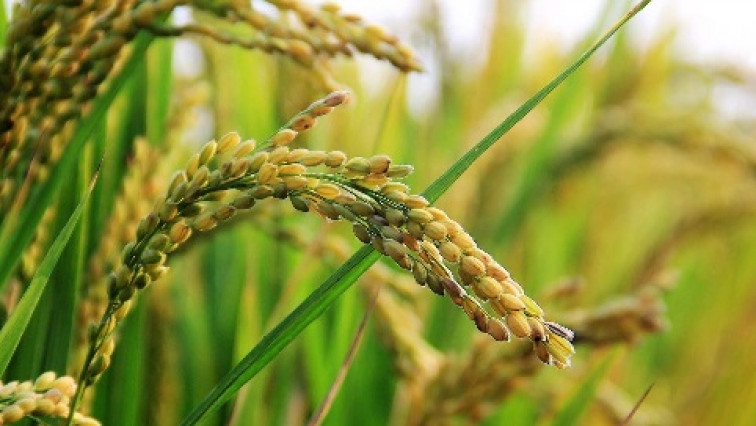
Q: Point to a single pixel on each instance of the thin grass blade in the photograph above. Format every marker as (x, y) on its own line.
(325, 406)
(348, 273)
(11, 333)
(574, 408)
(637, 406)
(3, 23)
(440, 185)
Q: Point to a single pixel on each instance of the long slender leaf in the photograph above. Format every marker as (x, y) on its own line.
(15, 238)
(30, 351)
(574, 408)
(348, 273)
(44, 345)
(3, 23)
(160, 81)
(11, 333)
(440, 185)
(67, 278)
(537, 163)
(285, 332)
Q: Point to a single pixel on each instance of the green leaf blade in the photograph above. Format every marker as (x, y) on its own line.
(440, 185)
(14, 328)
(3, 24)
(285, 332)
(574, 408)
(347, 274)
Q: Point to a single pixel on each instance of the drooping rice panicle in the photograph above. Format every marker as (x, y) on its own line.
(232, 175)
(60, 56)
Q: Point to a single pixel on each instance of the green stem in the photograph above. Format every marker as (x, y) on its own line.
(91, 353)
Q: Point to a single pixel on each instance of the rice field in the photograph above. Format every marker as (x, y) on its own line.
(174, 241)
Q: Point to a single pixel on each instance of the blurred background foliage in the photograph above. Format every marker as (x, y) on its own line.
(623, 203)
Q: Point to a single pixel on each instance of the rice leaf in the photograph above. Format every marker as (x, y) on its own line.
(66, 277)
(440, 185)
(284, 332)
(11, 333)
(574, 408)
(348, 273)
(3, 23)
(159, 73)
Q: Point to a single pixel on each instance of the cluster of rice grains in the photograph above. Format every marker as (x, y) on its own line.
(437, 387)
(46, 397)
(306, 34)
(60, 54)
(231, 175)
(471, 385)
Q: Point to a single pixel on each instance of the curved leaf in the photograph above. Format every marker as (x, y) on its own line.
(348, 273)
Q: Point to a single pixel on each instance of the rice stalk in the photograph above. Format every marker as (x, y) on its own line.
(617, 406)
(59, 56)
(401, 226)
(438, 388)
(139, 187)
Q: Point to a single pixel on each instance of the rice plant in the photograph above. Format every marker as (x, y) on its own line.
(173, 247)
